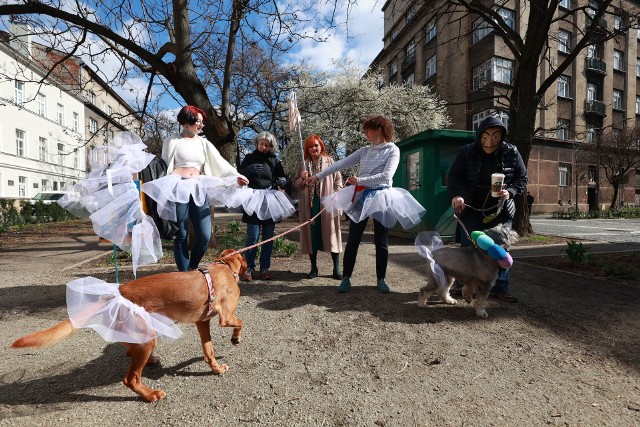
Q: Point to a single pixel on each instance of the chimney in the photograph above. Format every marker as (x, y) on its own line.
(21, 41)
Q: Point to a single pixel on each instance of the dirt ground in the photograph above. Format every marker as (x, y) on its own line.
(565, 355)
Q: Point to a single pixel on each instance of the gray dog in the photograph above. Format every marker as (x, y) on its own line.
(471, 266)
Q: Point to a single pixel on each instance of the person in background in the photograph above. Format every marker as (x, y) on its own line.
(196, 174)
(470, 189)
(323, 234)
(371, 195)
(267, 202)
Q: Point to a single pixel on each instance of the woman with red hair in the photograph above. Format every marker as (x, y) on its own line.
(324, 232)
(196, 176)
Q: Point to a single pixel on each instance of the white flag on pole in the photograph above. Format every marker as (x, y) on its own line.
(294, 114)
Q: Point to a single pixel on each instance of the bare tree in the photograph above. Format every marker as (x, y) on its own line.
(531, 44)
(617, 153)
(175, 45)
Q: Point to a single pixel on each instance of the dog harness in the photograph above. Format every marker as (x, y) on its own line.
(212, 293)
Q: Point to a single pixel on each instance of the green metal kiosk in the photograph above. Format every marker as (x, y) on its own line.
(425, 159)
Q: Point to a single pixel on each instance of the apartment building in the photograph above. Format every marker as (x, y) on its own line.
(41, 135)
(469, 67)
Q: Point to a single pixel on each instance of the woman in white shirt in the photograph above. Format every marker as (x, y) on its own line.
(196, 176)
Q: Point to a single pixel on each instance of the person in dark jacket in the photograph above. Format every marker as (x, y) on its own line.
(269, 204)
(469, 186)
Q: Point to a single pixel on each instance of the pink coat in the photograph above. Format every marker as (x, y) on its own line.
(331, 237)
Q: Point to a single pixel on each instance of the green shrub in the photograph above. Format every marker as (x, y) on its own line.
(577, 253)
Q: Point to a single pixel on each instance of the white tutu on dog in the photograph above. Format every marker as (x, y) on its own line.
(94, 303)
(172, 189)
(265, 204)
(388, 206)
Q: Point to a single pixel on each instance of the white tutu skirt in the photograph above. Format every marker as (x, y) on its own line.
(265, 204)
(387, 206)
(110, 198)
(172, 189)
(94, 303)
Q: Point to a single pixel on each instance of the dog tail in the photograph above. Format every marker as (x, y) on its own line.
(46, 337)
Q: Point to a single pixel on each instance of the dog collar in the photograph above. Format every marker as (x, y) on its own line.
(212, 292)
(222, 261)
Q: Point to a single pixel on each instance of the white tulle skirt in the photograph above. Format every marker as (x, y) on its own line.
(265, 204)
(94, 303)
(172, 189)
(388, 206)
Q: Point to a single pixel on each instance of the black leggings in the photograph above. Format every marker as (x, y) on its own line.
(381, 240)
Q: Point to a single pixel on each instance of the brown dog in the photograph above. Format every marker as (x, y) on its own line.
(181, 296)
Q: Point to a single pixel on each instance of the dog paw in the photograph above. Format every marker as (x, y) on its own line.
(220, 369)
(236, 340)
(482, 313)
(154, 396)
(449, 300)
(153, 360)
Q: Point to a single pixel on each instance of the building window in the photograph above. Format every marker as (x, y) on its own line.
(637, 104)
(499, 114)
(411, 14)
(76, 122)
(19, 92)
(564, 86)
(565, 3)
(592, 92)
(20, 135)
(109, 111)
(430, 31)
(430, 67)
(22, 186)
(564, 41)
(562, 129)
(480, 30)
(590, 134)
(394, 33)
(60, 114)
(508, 16)
(92, 97)
(42, 149)
(75, 158)
(618, 60)
(617, 22)
(617, 99)
(42, 105)
(564, 174)
(93, 126)
(46, 185)
(410, 52)
(496, 69)
(410, 79)
(61, 154)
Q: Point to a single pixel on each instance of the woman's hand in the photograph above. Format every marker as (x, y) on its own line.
(242, 180)
(504, 194)
(353, 180)
(304, 175)
(311, 180)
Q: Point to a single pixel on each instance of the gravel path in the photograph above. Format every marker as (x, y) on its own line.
(566, 354)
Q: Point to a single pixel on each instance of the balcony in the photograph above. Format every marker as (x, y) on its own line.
(600, 26)
(408, 62)
(595, 107)
(595, 65)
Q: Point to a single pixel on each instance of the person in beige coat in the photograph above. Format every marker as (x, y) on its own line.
(324, 233)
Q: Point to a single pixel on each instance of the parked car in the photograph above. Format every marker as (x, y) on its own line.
(46, 197)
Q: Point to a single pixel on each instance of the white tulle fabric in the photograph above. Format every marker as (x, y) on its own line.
(94, 303)
(387, 206)
(265, 204)
(426, 243)
(172, 189)
(110, 198)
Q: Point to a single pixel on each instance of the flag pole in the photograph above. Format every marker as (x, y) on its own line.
(294, 122)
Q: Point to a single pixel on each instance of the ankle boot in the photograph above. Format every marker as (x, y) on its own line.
(337, 274)
(313, 257)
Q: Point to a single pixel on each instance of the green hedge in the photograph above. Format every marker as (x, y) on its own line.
(18, 214)
(606, 214)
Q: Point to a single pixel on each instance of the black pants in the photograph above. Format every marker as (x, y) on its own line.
(381, 240)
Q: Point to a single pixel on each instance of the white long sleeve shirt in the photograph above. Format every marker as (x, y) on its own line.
(378, 163)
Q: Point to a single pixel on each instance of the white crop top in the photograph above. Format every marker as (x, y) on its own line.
(189, 154)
